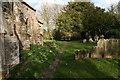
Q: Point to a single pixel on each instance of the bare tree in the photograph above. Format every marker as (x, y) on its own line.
(82, 0)
(115, 9)
(48, 13)
(118, 9)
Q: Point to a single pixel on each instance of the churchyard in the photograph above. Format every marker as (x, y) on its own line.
(84, 68)
(67, 67)
(77, 40)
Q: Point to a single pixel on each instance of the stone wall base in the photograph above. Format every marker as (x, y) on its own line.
(81, 56)
(3, 75)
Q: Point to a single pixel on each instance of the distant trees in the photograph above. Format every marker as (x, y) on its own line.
(48, 13)
(115, 10)
(118, 9)
(83, 18)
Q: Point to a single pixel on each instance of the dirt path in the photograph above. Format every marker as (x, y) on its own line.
(52, 67)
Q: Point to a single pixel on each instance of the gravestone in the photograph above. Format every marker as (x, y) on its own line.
(101, 46)
(90, 39)
(84, 40)
(77, 55)
(96, 38)
(107, 48)
(81, 54)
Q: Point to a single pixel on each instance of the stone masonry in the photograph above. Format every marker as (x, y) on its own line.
(107, 48)
(19, 27)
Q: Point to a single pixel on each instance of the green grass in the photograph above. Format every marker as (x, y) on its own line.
(85, 68)
(48, 41)
(59, 43)
(34, 61)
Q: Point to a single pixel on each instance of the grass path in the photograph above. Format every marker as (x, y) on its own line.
(49, 72)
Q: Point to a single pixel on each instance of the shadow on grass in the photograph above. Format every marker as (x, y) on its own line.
(33, 62)
(92, 70)
(83, 69)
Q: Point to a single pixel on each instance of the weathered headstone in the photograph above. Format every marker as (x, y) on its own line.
(90, 40)
(84, 40)
(81, 54)
(107, 48)
(101, 46)
(77, 55)
(96, 38)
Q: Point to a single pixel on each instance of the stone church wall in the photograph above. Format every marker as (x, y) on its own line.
(19, 28)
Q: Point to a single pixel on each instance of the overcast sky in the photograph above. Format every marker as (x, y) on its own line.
(100, 3)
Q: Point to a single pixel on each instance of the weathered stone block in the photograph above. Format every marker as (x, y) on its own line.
(3, 75)
(81, 54)
(26, 45)
(107, 48)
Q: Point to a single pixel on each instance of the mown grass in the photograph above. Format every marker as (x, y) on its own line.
(34, 61)
(37, 60)
(59, 43)
(85, 68)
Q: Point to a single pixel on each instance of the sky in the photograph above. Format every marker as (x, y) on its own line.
(105, 3)
(101, 3)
